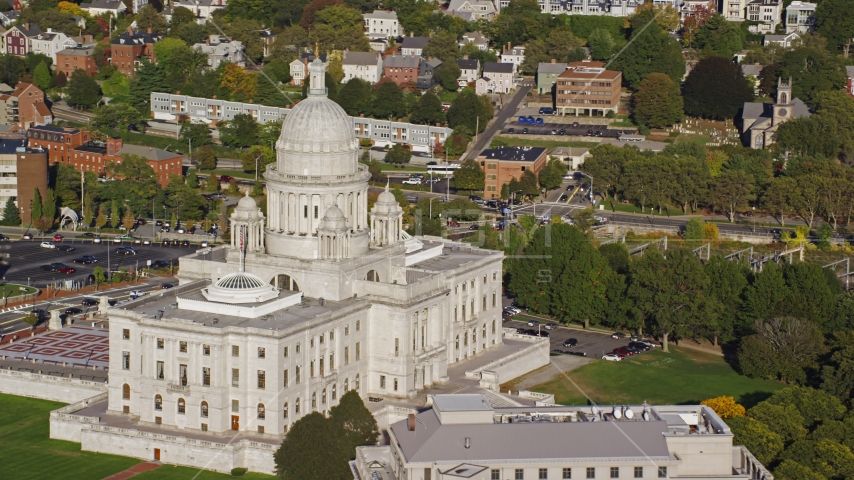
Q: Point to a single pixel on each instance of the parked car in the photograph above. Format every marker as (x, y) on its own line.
(204, 244)
(180, 230)
(570, 342)
(85, 259)
(89, 302)
(412, 181)
(97, 239)
(539, 121)
(576, 124)
(640, 346)
(474, 227)
(611, 357)
(158, 223)
(533, 323)
(125, 251)
(623, 351)
(453, 223)
(48, 268)
(146, 241)
(160, 264)
(185, 243)
(589, 133)
(88, 235)
(49, 245)
(542, 333)
(136, 293)
(226, 178)
(633, 350)
(140, 221)
(618, 336)
(648, 343)
(551, 326)
(554, 131)
(511, 130)
(117, 239)
(65, 248)
(546, 111)
(137, 241)
(525, 130)
(513, 309)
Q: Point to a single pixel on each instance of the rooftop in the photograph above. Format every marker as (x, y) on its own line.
(382, 14)
(149, 153)
(360, 58)
(44, 128)
(414, 42)
(402, 61)
(467, 63)
(551, 68)
(518, 154)
(497, 67)
(78, 51)
(104, 4)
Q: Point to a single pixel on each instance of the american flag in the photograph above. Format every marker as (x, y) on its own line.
(241, 238)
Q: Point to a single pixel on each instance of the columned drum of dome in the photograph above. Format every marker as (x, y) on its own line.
(240, 287)
(317, 168)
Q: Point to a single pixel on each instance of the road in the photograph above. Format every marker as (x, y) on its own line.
(63, 112)
(509, 109)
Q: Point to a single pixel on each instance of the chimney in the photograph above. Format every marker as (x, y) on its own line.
(410, 33)
(130, 30)
(49, 30)
(208, 41)
(411, 422)
(149, 30)
(554, 61)
(27, 25)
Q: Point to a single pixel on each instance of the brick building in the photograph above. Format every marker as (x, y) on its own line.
(401, 69)
(128, 49)
(21, 172)
(76, 58)
(587, 88)
(58, 142)
(95, 156)
(24, 107)
(502, 164)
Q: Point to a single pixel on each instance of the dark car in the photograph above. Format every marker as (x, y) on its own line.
(570, 342)
(89, 302)
(161, 264)
(41, 313)
(589, 133)
(48, 268)
(125, 251)
(633, 350)
(140, 221)
(212, 232)
(597, 133)
(164, 286)
(474, 227)
(525, 130)
(3, 238)
(164, 229)
(640, 346)
(563, 197)
(546, 111)
(185, 243)
(192, 231)
(65, 248)
(159, 223)
(85, 259)
(542, 333)
(562, 131)
(618, 335)
(73, 311)
(511, 130)
(88, 235)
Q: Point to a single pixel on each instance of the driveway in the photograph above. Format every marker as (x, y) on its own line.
(509, 110)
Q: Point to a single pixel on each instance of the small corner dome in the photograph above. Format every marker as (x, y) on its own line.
(247, 203)
(333, 220)
(333, 213)
(386, 198)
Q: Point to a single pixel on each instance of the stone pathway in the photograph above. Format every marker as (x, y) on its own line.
(134, 470)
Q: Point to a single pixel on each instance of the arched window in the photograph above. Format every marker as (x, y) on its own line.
(457, 342)
(158, 403)
(357, 382)
(285, 410)
(373, 276)
(334, 392)
(297, 347)
(346, 385)
(323, 397)
(204, 409)
(182, 406)
(126, 392)
(296, 406)
(313, 400)
(285, 282)
(483, 331)
(262, 412)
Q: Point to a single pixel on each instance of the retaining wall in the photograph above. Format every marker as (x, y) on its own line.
(518, 363)
(48, 387)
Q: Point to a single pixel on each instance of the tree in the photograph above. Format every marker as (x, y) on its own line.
(128, 220)
(725, 407)
(101, 219)
(693, 230)
(213, 183)
(665, 17)
(389, 101)
(355, 419)
(49, 206)
(60, 80)
(536, 52)
(764, 444)
(791, 470)
(834, 21)
(42, 76)
(469, 176)
(119, 117)
(601, 44)
(784, 420)
(206, 158)
(148, 17)
(716, 88)
(562, 43)
(818, 135)
(443, 45)
(719, 37)
(10, 214)
(398, 154)
(650, 50)
(269, 93)
(197, 134)
(469, 113)
(551, 176)
(783, 348)
(778, 197)
(584, 220)
(731, 191)
(356, 97)
(768, 77)
(448, 74)
(339, 27)
(812, 70)
(314, 448)
(83, 91)
(657, 102)
(240, 131)
(192, 180)
(150, 78)
(428, 110)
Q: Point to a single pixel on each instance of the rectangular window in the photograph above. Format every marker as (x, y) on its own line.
(332, 335)
(297, 374)
(235, 406)
(662, 472)
(520, 474)
(638, 472)
(347, 330)
(204, 427)
(311, 342)
(567, 472)
(358, 325)
(321, 339)
(286, 351)
(182, 347)
(496, 474)
(315, 211)
(125, 360)
(321, 366)
(235, 377)
(346, 355)
(395, 384)
(285, 380)
(262, 352)
(262, 379)
(206, 350)
(125, 334)
(484, 303)
(591, 472)
(160, 344)
(358, 351)
(382, 381)
(615, 472)
(544, 474)
(235, 350)
(396, 347)
(311, 371)
(160, 370)
(206, 376)
(331, 361)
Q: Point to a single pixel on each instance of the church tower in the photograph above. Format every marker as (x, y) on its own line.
(784, 106)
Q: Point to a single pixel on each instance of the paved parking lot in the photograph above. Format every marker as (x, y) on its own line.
(594, 344)
(546, 129)
(27, 257)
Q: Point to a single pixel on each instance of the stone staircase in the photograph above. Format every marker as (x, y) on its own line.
(498, 400)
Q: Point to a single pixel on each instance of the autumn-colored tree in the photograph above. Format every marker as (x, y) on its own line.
(128, 219)
(725, 407)
(310, 11)
(239, 82)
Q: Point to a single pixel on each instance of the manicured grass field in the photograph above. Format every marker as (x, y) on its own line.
(26, 451)
(168, 472)
(388, 167)
(13, 290)
(682, 376)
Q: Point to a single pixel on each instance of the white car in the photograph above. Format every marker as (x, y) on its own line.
(50, 245)
(513, 310)
(611, 357)
(136, 293)
(412, 181)
(533, 323)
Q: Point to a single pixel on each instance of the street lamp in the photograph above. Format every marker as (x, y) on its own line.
(256, 167)
(753, 215)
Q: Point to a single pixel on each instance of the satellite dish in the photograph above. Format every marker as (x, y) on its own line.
(594, 410)
(646, 415)
(629, 413)
(617, 413)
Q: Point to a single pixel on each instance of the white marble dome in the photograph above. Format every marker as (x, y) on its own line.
(240, 287)
(247, 209)
(318, 137)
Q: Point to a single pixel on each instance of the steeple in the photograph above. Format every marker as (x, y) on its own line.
(317, 75)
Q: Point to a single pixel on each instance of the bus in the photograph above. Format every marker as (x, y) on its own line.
(442, 169)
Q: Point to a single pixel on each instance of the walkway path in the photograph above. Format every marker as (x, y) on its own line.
(135, 470)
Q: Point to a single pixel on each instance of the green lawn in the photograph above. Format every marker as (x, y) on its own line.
(169, 472)
(13, 290)
(632, 208)
(388, 167)
(525, 142)
(233, 173)
(26, 451)
(682, 376)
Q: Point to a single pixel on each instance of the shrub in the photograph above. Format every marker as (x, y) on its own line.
(238, 472)
(643, 130)
(610, 114)
(711, 232)
(725, 407)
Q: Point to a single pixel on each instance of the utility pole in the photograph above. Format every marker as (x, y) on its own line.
(83, 194)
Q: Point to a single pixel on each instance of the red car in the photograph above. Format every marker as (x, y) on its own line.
(623, 351)
(57, 238)
(619, 354)
(226, 178)
(65, 269)
(453, 223)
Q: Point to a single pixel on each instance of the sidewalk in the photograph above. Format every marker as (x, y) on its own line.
(134, 470)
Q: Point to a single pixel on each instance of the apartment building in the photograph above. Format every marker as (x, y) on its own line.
(95, 156)
(56, 142)
(128, 49)
(24, 107)
(219, 50)
(76, 58)
(469, 70)
(503, 164)
(413, 45)
(401, 69)
(497, 78)
(800, 17)
(547, 74)
(365, 65)
(767, 12)
(587, 88)
(514, 56)
(21, 171)
(16, 40)
(382, 24)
